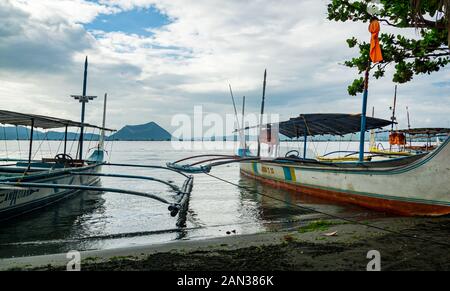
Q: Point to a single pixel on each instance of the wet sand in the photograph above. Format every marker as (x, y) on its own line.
(301, 249)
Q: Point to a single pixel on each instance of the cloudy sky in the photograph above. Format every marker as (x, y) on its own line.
(158, 58)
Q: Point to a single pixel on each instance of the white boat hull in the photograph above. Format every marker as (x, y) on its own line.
(419, 188)
(18, 201)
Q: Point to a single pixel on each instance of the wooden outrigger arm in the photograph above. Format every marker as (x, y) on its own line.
(145, 166)
(174, 187)
(184, 193)
(197, 167)
(85, 188)
(174, 207)
(183, 202)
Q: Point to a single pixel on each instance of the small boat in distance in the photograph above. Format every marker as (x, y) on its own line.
(406, 142)
(411, 141)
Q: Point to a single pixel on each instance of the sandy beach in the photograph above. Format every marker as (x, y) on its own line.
(318, 245)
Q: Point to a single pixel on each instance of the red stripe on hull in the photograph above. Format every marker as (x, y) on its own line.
(385, 205)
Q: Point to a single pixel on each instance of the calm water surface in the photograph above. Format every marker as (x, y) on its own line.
(108, 220)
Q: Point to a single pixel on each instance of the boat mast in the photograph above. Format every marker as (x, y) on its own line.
(372, 133)
(362, 137)
(65, 140)
(409, 125)
(407, 114)
(102, 134)
(243, 112)
(375, 56)
(83, 100)
(234, 106)
(262, 112)
(243, 133)
(305, 140)
(83, 108)
(393, 118)
(30, 150)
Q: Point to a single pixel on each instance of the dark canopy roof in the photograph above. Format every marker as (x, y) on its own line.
(426, 131)
(40, 121)
(333, 124)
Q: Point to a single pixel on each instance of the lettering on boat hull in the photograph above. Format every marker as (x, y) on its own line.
(10, 198)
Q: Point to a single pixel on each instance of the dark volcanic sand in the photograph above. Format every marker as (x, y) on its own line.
(295, 251)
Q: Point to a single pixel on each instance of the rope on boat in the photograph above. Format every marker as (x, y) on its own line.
(328, 214)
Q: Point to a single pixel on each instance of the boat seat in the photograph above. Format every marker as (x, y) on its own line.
(70, 163)
(36, 165)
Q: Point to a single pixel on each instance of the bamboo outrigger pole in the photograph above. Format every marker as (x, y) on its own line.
(262, 111)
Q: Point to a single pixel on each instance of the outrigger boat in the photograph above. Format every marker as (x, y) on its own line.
(28, 185)
(16, 200)
(413, 185)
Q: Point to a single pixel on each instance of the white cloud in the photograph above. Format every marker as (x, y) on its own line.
(56, 11)
(207, 44)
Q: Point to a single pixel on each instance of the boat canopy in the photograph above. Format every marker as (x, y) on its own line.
(40, 121)
(426, 131)
(328, 123)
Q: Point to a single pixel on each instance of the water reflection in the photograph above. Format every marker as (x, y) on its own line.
(61, 220)
(108, 220)
(279, 208)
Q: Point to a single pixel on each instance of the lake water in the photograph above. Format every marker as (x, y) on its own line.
(108, 220)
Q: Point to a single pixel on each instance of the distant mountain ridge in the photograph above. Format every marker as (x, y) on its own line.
(144, 132)
(23, 133)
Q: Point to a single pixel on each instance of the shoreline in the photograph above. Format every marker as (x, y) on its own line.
(309, 247)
